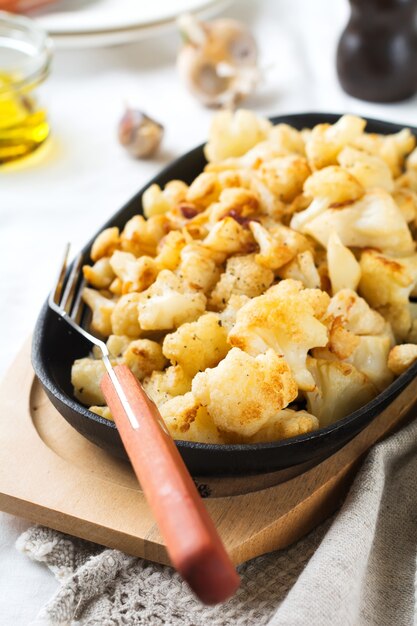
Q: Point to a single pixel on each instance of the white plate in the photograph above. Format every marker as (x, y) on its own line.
(89, 23)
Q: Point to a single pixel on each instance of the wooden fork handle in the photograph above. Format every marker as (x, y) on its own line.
(191, 539)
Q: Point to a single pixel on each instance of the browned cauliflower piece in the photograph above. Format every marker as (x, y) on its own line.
(278, 245)
(370, 170)
(287, 319)
(386, 283)
(334, 183)
(100, 275)
(243, 392)
(357, 315)
(143, 356)
(141, 236)
(339, 390)
(125, 316)
(392, 148)
(169, 249)
(228, 315)
(374, 221)
(204, 190)
(234, 133)
(105, 243)
(162, 386)
(86, 375)
(343, 268)
(168, 303)
(285, 176)
(285, 424)
(303, 269)
(134, 274)
(198, 268)
(243, 276)
(324, 142)
(197, 345)
(156, 202)
(102, 411)
(101, 309)
(401, 357)
(228, 237)
(188, 420)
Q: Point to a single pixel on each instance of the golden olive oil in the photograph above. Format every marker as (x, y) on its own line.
(23, 125)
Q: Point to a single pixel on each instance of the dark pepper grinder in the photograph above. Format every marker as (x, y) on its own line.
(377, 52)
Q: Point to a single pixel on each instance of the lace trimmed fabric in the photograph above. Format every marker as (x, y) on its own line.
(358, 569)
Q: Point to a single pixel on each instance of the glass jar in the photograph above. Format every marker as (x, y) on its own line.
(25, 59)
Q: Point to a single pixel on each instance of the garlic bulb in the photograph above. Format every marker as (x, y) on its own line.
(218, 61)
(139, 134)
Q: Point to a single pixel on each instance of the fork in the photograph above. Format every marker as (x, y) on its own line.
(192, 541)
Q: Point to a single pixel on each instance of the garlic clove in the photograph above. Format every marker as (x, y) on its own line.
(139, 133)
(218, 61)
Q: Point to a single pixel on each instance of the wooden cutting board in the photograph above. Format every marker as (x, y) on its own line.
(51, 475)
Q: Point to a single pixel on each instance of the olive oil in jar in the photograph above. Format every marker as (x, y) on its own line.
(23, 125)
(25, 59)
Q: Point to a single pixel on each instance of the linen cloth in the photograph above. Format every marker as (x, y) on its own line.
(358, 569)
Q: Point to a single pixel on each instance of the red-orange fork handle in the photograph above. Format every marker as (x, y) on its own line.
(191, 539)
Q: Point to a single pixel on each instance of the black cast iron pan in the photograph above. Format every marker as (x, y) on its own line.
(55, 347)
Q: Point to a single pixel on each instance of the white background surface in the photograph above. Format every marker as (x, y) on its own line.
(74, 184)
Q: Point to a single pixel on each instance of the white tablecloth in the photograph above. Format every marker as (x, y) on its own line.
(81, 176)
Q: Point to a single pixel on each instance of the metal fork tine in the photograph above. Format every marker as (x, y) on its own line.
(77, 309)
(56, 292)
(69, 293)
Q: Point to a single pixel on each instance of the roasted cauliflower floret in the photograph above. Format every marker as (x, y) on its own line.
(188, 420)
(197, 345)
(143, 356)
(243, 392)
(204, 190)
(357, 315)
(286, 139)
(285, 176)
(100, 275)
(86, 375)
(373, 221)
(134, 274)
(370, 170)
(198, 268)
(233, 134)
(392, 148)
(344, 270)
(325, 141)
(168, 303)
(141, 236)
(401, 357)
(101, 309)
(116, 345)
(386, 283)
(234, 202)
(334, 183)
(228, 237)
(371, 357)
(303, 269)
(169, 249)
(125, 316)
(161, 386)
(243, 276)
(102, 411)
(287, 319)
(156, 202)
(105, 243)
(339, 390)
(278, 245)
(228, 315)
(285, 424)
